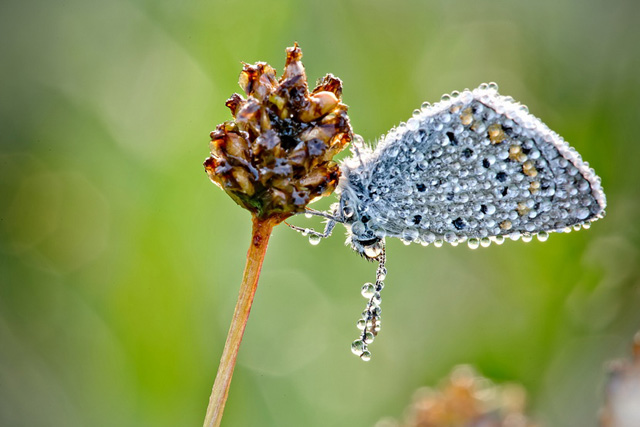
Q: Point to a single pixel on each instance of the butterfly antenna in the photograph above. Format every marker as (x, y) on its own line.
(369, 323)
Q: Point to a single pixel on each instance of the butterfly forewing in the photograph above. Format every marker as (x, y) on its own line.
(477, 165)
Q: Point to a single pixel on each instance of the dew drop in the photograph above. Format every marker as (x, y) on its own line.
(372, 251)
(358, 228)
(473, 243)
(485, 242)
(493, 86)
(542, 236)
(368, 337)
(308, 215)
(410, 234)
(425, 106)
(361, 324)
(368, 290)
(438, 243)
(526, 237)
(382, 274)
(347, 211)
(366, 355)
(314, 239)
(357, 347)
(446, 97)
(499, 240)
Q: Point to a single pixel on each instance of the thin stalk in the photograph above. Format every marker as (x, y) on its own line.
(255, 256)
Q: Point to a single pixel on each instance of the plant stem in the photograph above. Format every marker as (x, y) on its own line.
(259, 239)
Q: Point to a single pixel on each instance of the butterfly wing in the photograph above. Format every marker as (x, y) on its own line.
(474, 166)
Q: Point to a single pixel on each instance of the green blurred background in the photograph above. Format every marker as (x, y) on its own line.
(120, 262)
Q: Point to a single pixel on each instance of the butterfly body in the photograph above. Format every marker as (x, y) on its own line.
(475, 167)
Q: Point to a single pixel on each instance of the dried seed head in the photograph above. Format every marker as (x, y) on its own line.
(468, 399)
(622, 391)
(276, 155)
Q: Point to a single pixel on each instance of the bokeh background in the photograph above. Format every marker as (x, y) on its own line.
(120, 262)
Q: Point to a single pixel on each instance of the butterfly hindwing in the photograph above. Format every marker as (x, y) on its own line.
(473, 166)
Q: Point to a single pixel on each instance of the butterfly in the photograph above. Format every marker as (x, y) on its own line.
(475, 167)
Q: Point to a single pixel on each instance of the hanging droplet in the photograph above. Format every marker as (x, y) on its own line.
(368, 290)
(361, 324)
(382, 274)
(314, 239)
(368, 337)
(473, 243)
(357, 347)
(373, 251)
(542, 236)
(366, 355)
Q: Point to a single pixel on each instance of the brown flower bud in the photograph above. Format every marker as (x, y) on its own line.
(275, 156)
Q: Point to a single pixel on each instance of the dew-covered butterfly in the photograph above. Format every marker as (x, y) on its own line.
(475, 167)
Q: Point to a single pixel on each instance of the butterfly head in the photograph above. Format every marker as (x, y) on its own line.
(360, 235)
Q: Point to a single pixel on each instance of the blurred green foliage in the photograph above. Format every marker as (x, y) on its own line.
(120, 262)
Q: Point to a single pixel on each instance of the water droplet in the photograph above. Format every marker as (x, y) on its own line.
(373, 251)
(357, 347)
(368, 290)
(361, 324)
(382, 274)
(347, 211)
(314, 239)
(357, 228)
(499, 240)
(446, 97)
(542, 236)
(493, 86)
(473, 243)
(366, 355)
(410, 234)
(526, 237)
(379, 286)
(438, 243)
(425, 106)
(308, 215)
(368, 337)
(485, 242)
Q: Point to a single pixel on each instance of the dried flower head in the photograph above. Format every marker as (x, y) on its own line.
(275, 157)
(466, 399)
(622, 392)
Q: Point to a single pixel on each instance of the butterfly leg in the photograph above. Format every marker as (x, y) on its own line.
(331, 223)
